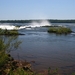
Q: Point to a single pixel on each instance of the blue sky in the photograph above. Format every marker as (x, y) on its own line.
(37, 9)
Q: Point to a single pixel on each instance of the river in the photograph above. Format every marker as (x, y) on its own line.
(46, 49)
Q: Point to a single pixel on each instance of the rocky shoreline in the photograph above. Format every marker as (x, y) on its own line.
(13, 65)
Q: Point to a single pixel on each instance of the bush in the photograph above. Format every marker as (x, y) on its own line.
(59, 30)
(8, 32)
(3, 58)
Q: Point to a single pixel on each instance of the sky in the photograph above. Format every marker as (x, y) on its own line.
(37, 9)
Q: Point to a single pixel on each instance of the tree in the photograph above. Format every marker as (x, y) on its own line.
(8, 43)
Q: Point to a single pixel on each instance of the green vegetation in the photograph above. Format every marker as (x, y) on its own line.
(3, 58)
(6, 45)
(8, 32)
(38, 20)
(61, 21)
(59, 30)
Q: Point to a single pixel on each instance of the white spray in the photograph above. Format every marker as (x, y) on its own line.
(34, 24)
(40, 24)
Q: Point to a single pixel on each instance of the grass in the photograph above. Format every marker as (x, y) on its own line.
(59, 30)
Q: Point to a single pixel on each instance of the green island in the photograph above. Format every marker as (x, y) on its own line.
(59, 30)
(9, 32)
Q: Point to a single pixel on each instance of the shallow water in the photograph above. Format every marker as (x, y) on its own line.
(47, 50)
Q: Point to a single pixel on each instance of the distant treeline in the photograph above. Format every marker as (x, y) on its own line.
(29, 21)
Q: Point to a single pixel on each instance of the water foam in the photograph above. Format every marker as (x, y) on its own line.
(34, 24)
(8, 27)
(40, 24)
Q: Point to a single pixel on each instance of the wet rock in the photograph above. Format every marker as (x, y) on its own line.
(33, 61)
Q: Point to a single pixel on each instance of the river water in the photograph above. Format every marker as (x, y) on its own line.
(45, 49)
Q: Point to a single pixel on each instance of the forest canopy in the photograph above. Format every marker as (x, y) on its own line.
(38, 20)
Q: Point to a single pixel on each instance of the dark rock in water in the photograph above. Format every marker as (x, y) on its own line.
(33, 61)
(53, 26)
(17, 26)
(11, 59)
(9, 55)
(46, 26)
(27, 67)
(12, 34)
(21, 34)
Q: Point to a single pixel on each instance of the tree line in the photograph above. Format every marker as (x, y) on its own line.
(29, 21)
